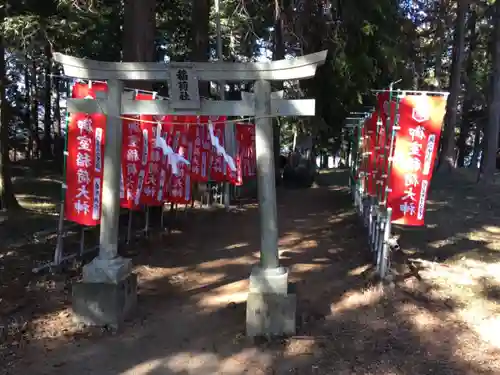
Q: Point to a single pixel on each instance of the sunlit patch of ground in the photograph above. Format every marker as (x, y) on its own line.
(471, 284)
(357, 299)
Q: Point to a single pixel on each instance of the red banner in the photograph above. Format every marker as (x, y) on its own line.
(206, 149)
(416, 143)
(150, 171)
(380, 156)
(387, 118)
(200, 140)
(146, 176)
(131, 162)
(363, 156)
(165, 169)
(371, 137)
(85, 163)
(245, 157)
(218, 165)
(180, 186)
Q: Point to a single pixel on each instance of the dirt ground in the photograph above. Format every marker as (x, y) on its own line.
(440, 316)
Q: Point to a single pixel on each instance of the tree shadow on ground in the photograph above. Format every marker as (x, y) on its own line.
(193, 287)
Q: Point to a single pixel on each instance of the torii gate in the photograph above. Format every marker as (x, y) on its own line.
(108, 290)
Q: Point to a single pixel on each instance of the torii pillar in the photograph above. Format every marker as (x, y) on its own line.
(107, 293)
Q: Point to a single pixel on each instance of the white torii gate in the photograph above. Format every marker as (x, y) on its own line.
(108, 290)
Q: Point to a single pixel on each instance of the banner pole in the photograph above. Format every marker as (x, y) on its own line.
(146, 224)
(129, 226)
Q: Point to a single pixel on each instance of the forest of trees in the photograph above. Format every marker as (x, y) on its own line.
(446, 45)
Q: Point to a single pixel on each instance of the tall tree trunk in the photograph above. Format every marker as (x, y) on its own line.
(417, 73)
(470, 90)
(200, 38)
(478, 146)
(47, 118)
(139, 35)
(8, 200)
(34, 112)
(278, 54)
(27, 114)
(57, 108)
(139, 31)
(492, 128)
(58, 137)
(440, 42)
(447, 156)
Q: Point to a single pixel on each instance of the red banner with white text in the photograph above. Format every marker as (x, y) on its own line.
(166, 131)
(388, 118)
(416, 143)
(245, 140)
(85, 162)
(218, 165)
(371, 137)
(150, 171)
(200, 140)
(180, 184)
(132, 147)
(146, 174)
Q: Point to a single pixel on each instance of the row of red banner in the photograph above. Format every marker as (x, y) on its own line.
(147, 178)
(399, 143)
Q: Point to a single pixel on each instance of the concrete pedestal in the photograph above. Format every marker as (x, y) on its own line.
(107, 295)
(271, 308)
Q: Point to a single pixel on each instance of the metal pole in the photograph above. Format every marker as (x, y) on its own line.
(60, 233)
(384, 257)
(146, 225)
(82, 241)
(129, 227)
(266, 178)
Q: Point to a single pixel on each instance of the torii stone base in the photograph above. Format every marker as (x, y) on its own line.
(107, 295)
(271, 306)
(103, 304)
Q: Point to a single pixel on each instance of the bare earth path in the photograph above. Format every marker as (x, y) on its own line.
(191, 306)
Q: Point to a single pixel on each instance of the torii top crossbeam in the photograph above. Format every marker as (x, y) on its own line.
(282, 70)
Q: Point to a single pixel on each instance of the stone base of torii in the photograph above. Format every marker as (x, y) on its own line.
(107, 294)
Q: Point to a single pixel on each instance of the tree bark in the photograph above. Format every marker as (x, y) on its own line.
(47, 118)
(470, 85)
(447, 156)
(58, 136)
(278, 54)
(478, 146)
(200, 38)
(8, 200)
(492, 128)
(440, 42)
(57, 107)
(34, 112)
(27, 113)
(139, 35)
